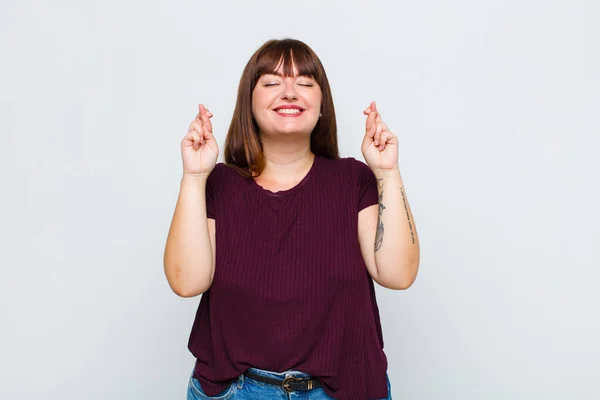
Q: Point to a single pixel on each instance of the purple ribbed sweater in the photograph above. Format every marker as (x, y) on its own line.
(291, 289)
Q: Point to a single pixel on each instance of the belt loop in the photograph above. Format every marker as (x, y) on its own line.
(240, 382)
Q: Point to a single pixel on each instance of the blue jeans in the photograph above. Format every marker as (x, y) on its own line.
(244, 388)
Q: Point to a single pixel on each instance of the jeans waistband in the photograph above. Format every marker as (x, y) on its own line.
(280, 375)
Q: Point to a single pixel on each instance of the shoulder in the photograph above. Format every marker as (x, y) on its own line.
(357, 165)
(224, 171)
(355, 173)
(347, 164)
(357, 170)
(221, 168)
(221, 175)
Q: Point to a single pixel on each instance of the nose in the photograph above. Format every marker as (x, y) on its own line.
(289, 90)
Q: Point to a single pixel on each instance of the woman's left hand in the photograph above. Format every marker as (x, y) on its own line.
(379, 146)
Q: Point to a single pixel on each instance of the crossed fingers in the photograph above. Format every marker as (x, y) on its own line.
(201, 127)
(376, 129)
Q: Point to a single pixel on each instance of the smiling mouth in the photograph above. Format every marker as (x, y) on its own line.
(289, 112)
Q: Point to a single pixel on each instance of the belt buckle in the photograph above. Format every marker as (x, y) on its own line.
(286, 383)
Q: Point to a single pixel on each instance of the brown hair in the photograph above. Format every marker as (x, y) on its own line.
(243, 148)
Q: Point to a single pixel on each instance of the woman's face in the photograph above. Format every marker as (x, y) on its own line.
(286, 105)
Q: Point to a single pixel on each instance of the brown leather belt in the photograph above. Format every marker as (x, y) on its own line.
(289, 384)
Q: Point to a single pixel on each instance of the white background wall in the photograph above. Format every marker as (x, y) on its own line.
(496, 108)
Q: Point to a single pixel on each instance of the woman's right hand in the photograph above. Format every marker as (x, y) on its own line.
(199, 148)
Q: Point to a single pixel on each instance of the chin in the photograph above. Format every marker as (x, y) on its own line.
(297, 132)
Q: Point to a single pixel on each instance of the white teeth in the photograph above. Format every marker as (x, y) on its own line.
(288, 111)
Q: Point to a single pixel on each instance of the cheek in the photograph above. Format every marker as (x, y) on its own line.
(317, 99)
(260, 101)
(257, 105)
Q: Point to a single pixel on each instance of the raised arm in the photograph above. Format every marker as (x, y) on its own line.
(189, 257)
(387, 231)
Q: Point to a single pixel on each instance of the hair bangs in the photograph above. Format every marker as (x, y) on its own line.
(288, 53)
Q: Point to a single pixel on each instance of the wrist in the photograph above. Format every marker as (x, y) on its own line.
(387, 173)
(194, 178)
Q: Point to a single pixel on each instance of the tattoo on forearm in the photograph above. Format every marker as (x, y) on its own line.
(412, 233)
(379, 233)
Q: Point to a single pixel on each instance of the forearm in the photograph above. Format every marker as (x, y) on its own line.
(397, 250)
(188, 255)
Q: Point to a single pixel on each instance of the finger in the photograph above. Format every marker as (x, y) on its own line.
(192, 139)
(189, 137)
(377, 128)
(377, 110)
(374, 111)
(367, 110)
(370, 124)
(199, 115)
(377, 136)
(201, 122)
(205, 120)
(383, 139)
(390, 139)
(204, 136)
(197, 140)
(197, 126)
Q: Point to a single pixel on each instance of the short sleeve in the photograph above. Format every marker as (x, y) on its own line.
(367, 185)
(211, 183)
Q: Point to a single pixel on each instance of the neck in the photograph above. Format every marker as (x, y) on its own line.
(285, 161)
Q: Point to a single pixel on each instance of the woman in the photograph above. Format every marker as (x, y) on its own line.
(285, 239)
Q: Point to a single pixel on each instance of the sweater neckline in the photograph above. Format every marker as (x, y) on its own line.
(293, 189)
